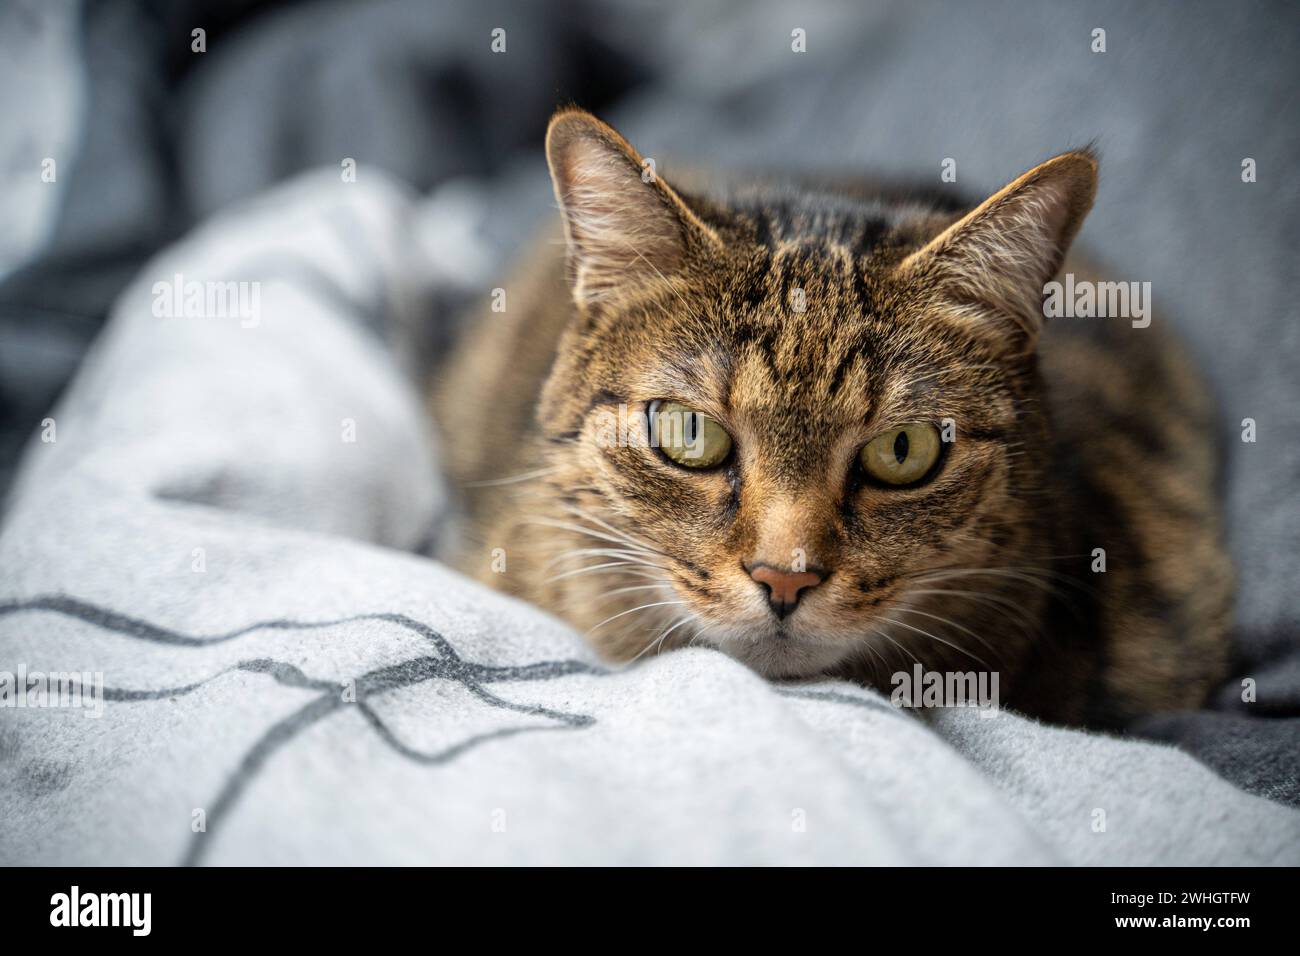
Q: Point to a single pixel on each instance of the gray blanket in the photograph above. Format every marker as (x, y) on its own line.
(187, 443)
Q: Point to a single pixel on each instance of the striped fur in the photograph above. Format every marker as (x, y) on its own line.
(1080, 435)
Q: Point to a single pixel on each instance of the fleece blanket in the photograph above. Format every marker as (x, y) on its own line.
(217, 527)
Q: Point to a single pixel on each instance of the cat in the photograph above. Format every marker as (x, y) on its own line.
(828, 432)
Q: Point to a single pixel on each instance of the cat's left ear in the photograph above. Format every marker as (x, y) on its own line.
(626, 228)
(993, 263)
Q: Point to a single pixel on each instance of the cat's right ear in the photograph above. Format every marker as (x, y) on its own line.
(993, 263)
(626, 227)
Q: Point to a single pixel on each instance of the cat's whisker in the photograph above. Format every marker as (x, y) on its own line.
(598, 535)
(876, 656)
(955, 647)
(880, 633)
(701, 627)
(1028, 575)
(637, 587)
(658, 641)
(1015, 612)
(1048, 587)
(625, 536)
(1049, 582)
(612, 567)
(631, 557)
(514, 479)
(631, 610)
(910, 609)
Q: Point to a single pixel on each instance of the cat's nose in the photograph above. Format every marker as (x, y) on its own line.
(784, 588)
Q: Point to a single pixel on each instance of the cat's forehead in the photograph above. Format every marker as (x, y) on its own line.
(835, 223)
(814, 265)
(842, 362)
(800, 317)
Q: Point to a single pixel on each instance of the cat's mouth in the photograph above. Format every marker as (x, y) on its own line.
(779, 648)
(786, 657)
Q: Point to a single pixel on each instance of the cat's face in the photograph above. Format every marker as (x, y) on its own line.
(805, 425)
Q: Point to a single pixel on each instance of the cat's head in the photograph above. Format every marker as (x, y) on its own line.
(848, 427)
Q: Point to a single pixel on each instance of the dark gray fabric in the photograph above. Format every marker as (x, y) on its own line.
(405, 86)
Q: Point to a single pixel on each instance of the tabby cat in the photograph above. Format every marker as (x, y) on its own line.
(827, 432)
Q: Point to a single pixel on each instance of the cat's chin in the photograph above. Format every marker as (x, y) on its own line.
(778, 655)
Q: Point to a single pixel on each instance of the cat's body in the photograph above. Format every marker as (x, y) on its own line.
(804, 323)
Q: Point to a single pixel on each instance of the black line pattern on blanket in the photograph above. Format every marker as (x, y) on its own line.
(836, 697)
(447, 665)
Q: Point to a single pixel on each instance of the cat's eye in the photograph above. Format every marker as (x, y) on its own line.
(687, 437)
(902, 456)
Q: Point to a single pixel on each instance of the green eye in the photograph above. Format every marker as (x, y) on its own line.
(902, 456)
(687, 437)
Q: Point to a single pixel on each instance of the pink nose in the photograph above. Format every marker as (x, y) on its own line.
(784, 587)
